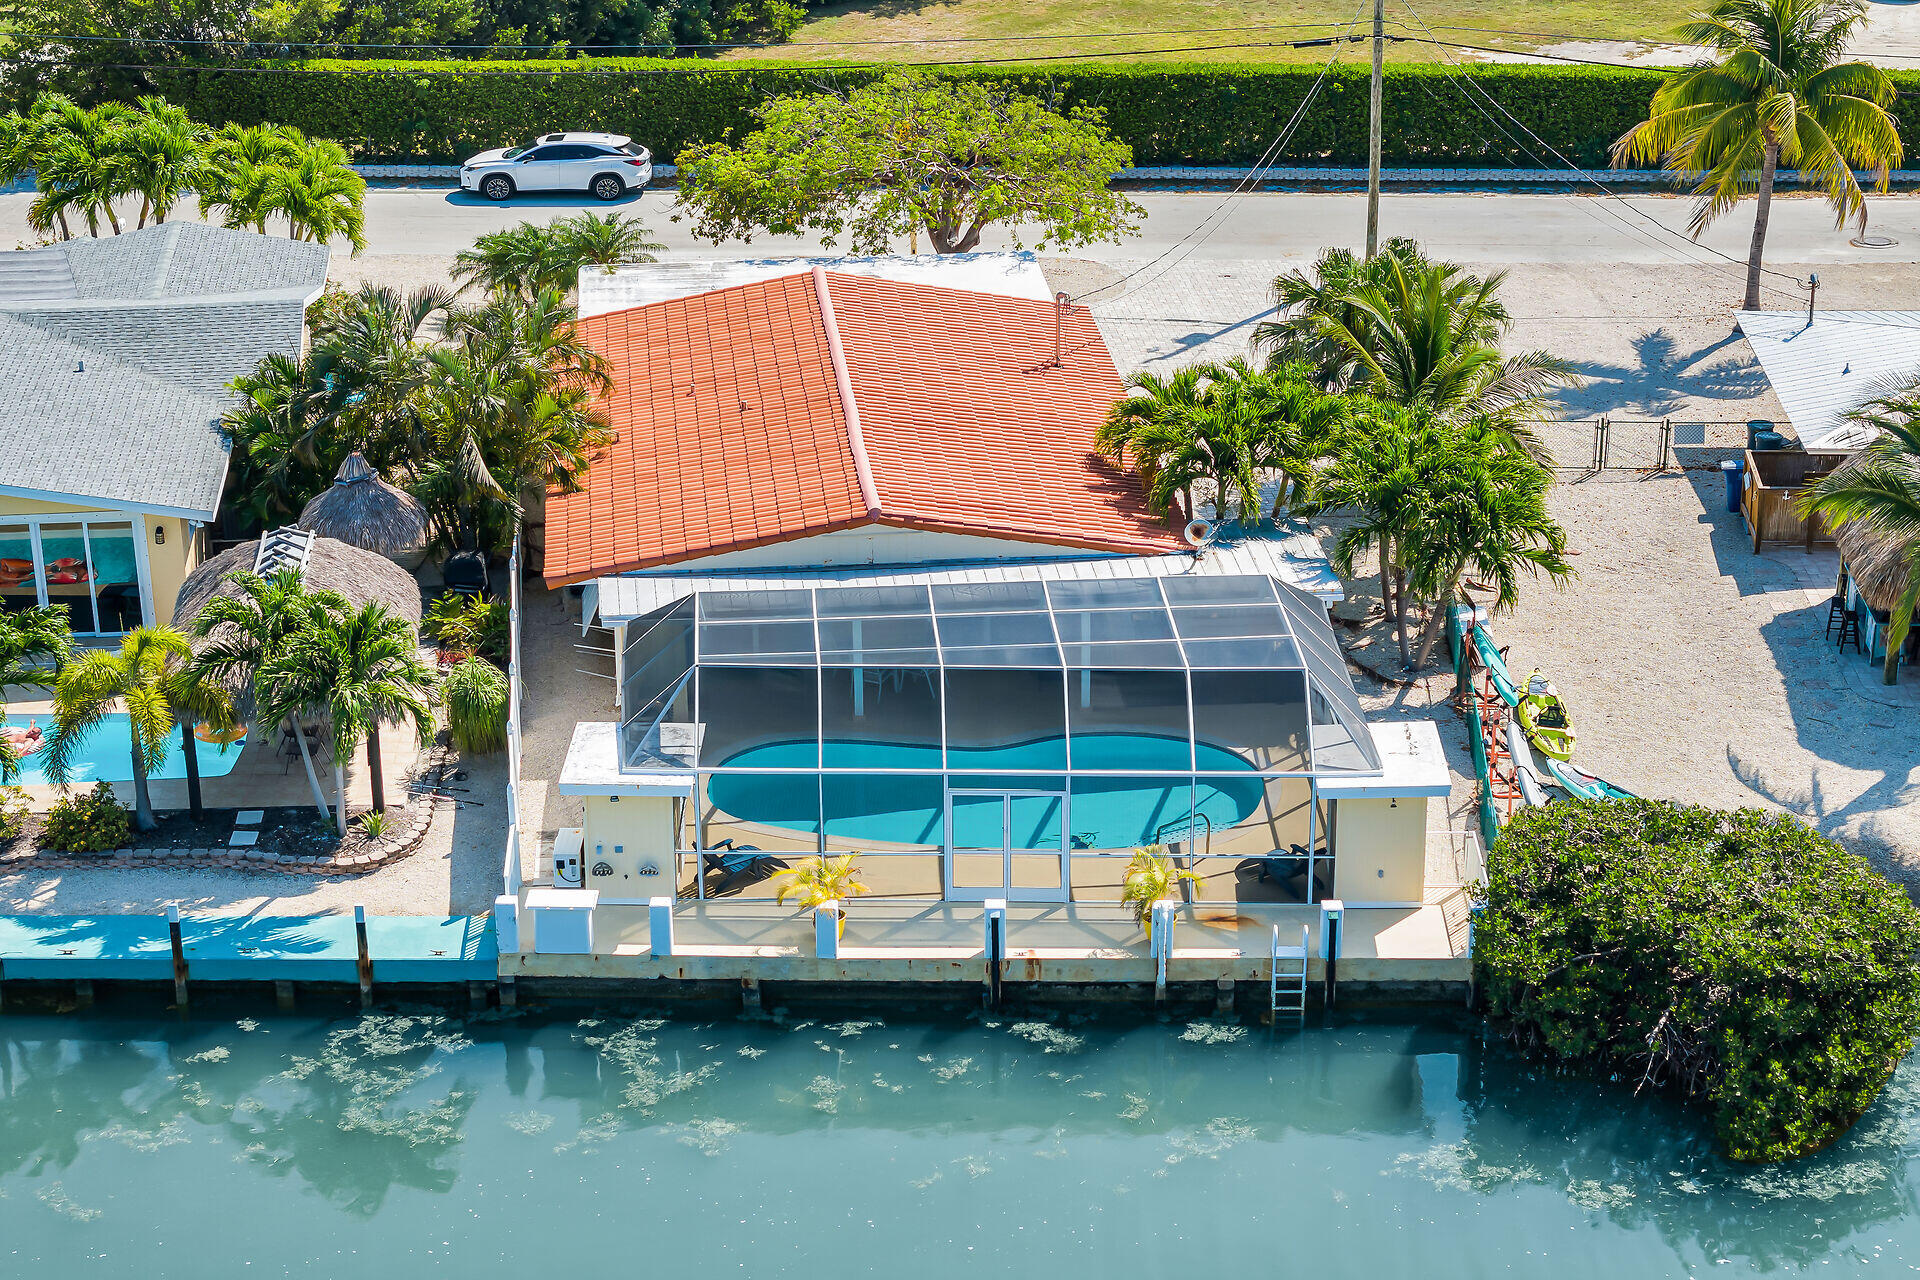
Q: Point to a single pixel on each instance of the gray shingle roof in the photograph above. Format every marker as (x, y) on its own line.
(163, 319)
(77, 421)
(184, 259)
(202, 346)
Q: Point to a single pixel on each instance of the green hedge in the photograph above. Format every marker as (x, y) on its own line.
(1741, 959)
(1168, 113)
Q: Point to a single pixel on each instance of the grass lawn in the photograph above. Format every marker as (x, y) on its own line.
(998, 25)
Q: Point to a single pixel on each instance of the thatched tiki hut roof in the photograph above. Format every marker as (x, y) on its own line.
(1876, 562)
(362, 510)
(363, 577)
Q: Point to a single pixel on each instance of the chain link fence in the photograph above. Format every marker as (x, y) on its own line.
(1590, 446)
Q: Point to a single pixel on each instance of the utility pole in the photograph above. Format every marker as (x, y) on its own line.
(1373, 129)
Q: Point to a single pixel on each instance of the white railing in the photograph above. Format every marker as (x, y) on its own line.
(510, 867)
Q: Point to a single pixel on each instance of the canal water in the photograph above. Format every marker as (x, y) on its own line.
(418, 1144)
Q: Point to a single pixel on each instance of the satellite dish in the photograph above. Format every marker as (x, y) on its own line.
(1198, 533)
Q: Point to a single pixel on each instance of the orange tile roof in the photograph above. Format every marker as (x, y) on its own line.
(945, 412)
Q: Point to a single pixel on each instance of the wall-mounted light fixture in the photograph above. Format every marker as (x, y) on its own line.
(159, 535)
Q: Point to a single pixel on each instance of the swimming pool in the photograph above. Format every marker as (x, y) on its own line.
(1105, 810)
(108, 756)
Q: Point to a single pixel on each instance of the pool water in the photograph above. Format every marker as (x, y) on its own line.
(907, 809)
(108, 755)
(405, 1145)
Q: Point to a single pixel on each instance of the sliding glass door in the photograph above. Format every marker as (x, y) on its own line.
(91, 565)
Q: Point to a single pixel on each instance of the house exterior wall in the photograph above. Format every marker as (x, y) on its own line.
(872, 545)
(164, 563)
(1380, 850)
(633, 837)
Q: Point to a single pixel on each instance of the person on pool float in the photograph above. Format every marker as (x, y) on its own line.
(25, 741)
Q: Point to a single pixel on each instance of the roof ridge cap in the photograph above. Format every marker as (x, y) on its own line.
(850, 411)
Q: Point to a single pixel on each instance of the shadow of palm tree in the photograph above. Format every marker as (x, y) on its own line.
(1663, 379)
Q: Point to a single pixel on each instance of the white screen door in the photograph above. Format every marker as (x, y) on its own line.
(1007, 844)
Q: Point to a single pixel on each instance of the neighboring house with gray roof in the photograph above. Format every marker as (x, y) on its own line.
(116, 355)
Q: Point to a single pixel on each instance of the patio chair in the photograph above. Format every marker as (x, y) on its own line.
(743, 865)
(289, 751)
(1850, 630)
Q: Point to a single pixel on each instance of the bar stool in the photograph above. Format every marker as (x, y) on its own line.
(1850, 630)
(1836, 614)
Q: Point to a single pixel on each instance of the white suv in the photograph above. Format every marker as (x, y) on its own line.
(606, 164)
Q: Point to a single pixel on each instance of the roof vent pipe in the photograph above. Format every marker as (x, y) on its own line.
(1061, 305)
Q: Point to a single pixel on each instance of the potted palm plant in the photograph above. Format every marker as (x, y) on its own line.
(1151, 876)
(822, 879)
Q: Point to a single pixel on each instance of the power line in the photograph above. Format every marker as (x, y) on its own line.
(698, 68)
(1576, 170)
(49, 38)
(1211, 223)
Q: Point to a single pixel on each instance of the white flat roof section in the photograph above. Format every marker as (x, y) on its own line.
(640, 284)
(1412, 763)
(1823, 369)
(1294, 557)
(593, 767)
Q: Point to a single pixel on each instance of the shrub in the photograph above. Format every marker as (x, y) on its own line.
(374, 825)
(1740, 959)
(475, 694)
(13, 813)
(469, 625)
(89, 822)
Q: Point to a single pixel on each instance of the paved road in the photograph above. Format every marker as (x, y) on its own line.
(1468, 227)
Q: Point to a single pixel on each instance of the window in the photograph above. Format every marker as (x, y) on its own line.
(1115, 815)
(771, 812)
(884, 813)
(89, 566)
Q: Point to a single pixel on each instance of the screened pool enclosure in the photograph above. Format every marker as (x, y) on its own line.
(1015, 737)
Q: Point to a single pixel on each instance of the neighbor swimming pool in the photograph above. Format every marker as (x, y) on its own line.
(108, 756)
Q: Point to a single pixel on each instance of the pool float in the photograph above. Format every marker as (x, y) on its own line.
(1544, 717)
(220, 737)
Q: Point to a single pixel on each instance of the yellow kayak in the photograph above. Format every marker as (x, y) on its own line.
(1544, 717)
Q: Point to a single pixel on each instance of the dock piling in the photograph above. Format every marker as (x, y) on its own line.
(179, 957)
(509, 998)
(283, 996)
(750, 1005)
(83, 993)
(366, 957)
(1223, 991)
(996, 949)
(476, 996)
(1331, 909)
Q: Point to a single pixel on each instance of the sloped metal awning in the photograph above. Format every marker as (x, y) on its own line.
(1825, 367)
(1292, 556)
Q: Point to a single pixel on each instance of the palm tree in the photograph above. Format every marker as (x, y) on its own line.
(138, 679)
(1306, 302)
(320, 196)
(1482, 509)
(278, 426)
(33, 643)
(243, 634)
(1375, 478)
(531, 259)
(72, 151)
(512, 415)
(358, 672)
(1880, 487)
(1779, 92)
(159, 155)
(1427, 334)
(1297, 421)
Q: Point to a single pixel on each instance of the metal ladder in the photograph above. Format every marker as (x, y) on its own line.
(1287, 986)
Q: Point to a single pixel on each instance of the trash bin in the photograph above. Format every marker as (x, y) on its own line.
(1763, 440)
(1732, 469)
(1754, 427)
